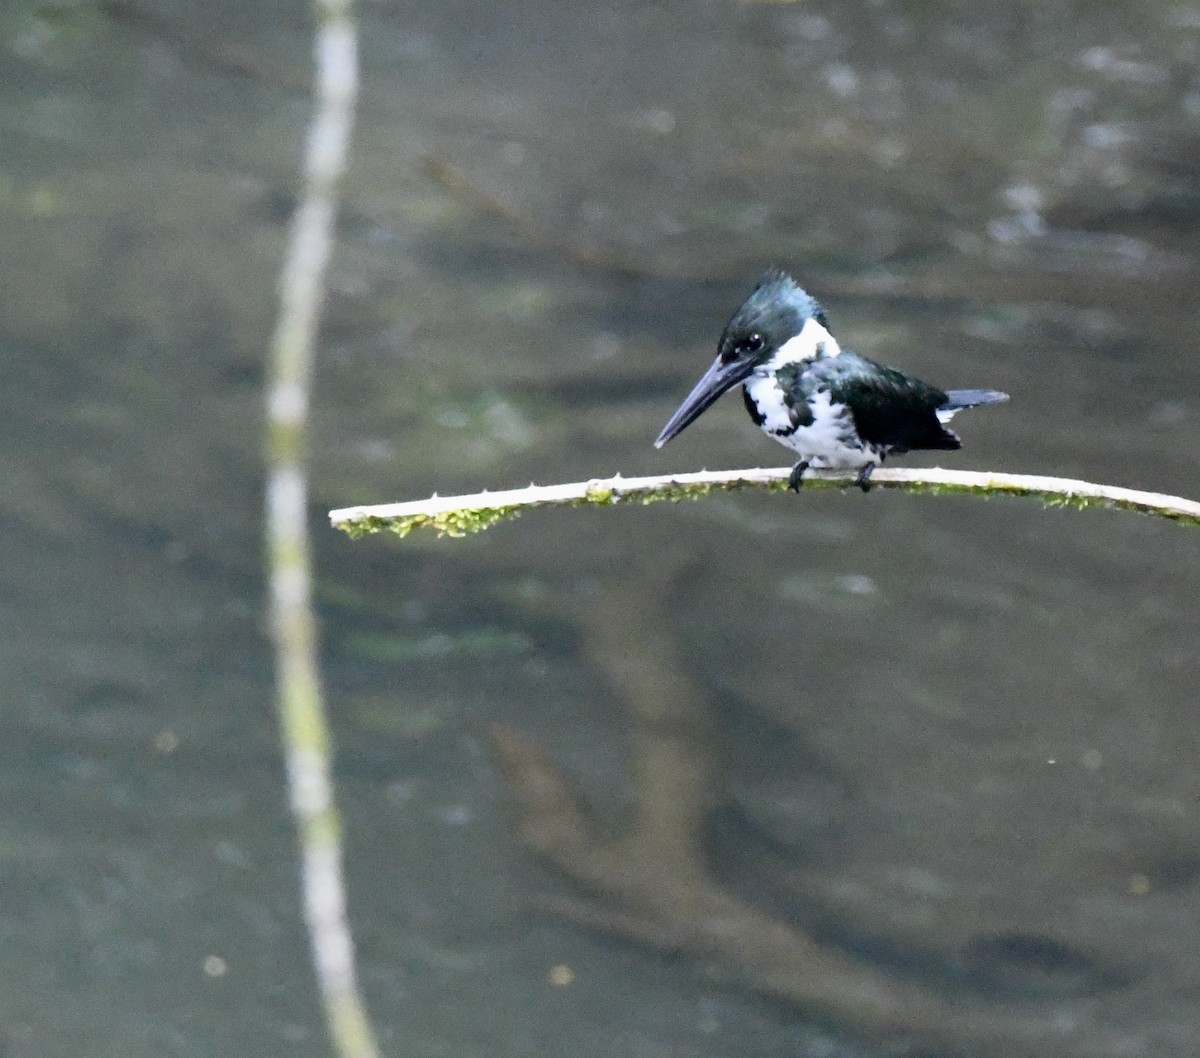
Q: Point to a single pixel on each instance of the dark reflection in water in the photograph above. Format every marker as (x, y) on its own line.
(951, 741)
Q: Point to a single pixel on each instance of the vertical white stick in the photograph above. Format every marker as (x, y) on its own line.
(303, 723)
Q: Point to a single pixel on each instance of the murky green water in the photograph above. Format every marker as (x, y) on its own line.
(956, 740)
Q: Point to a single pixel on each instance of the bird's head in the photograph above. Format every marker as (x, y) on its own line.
(778, 323)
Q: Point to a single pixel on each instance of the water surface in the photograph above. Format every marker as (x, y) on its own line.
(955, 740)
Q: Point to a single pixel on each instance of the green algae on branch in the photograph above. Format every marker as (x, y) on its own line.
(459, 522)
(462, 515)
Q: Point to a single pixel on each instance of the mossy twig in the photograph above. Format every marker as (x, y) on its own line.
(460, 515)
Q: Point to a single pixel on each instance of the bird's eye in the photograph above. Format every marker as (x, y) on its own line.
(752, 343)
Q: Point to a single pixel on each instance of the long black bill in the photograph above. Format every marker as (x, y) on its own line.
(717, 380)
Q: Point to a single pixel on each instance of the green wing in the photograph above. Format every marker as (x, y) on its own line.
(889, 408)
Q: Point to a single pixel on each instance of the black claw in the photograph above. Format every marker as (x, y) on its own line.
(863, 481)
(794, 478)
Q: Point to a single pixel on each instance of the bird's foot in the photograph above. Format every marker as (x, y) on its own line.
(863, 481)
(797, 474)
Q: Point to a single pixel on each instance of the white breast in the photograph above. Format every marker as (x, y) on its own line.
(764, 390)
(831, 440)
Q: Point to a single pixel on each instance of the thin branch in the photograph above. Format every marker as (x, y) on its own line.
(460, 515)
(303, 723)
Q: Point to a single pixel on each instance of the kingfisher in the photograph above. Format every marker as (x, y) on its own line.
(834, 408)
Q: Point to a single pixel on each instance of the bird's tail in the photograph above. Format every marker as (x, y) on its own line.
(957, 399)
